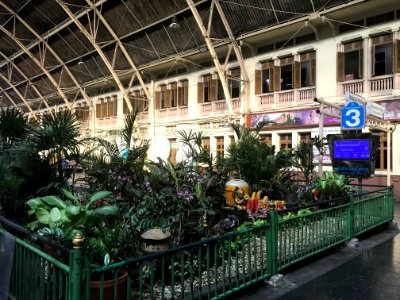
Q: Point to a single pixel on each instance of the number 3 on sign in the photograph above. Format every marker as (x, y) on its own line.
(354, 118)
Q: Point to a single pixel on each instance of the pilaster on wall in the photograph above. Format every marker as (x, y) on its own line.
(152, 116)
(367, 65)
(120, 112)
(275, 140)
(295, 139)
(395, 155)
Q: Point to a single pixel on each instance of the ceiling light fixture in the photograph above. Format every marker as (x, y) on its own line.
(174, 24)
(80, 62)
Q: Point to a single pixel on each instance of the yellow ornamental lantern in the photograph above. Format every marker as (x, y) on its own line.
(230, 186)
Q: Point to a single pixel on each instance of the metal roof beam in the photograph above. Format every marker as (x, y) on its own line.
(18, 93)
(238, 54)
(123, 49)
(36, 61)
(92, 39)
(10, 99)
(44, 46)
(14, 66)
(213, 53)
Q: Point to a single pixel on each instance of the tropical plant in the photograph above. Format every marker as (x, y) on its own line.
(118, 166)
(55, 138)
(13, 127)
(332, 185)
(71, 214)
(257, 163)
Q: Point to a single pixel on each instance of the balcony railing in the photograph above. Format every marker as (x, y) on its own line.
(142, 117)
(286, 98)
(108, 122)
(174, 113)
(218, 107)
(374, 86)
(381, 84)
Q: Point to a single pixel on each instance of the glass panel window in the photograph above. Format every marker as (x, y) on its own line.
(265, 81)
(206, 143)
(286, 77)
(206, 89)
(305, 73)
(305, 137)
(381, 158)
(220, 146)
(352, 69)
(383, 60)
(234, 84)
(173, 95)
(285, 141)
(266, 138)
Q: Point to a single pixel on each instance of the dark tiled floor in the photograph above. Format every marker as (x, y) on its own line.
(369, 271)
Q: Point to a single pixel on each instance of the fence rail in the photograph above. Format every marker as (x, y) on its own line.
(209, 269)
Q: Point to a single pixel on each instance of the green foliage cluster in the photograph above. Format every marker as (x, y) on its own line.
(31, 156)
(258, 163)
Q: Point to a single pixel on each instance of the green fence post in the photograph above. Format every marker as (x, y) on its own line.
(272, 242)
(76, 268)
(350, 217)
(390, 203)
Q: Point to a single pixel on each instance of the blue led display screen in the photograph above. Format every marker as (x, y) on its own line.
(351, 149)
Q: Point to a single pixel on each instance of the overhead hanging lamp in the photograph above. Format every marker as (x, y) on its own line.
(174, 24)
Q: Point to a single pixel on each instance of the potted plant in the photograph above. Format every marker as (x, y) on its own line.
(332, 185)
(97, 219)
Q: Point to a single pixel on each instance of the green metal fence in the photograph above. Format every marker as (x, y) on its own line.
(209, 269)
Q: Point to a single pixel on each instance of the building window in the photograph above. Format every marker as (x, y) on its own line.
(381, 158)
(172, 90)
(205, 143)
(82, 113)
(266, 86)
(264, 77)
(285, 141)
(162, 98)
(220, 146)
(207, 89)
(350, 62)
(182, 93)
(307, 70)
(382, 55)
(266, 138)
(305, 137)
(106, 107)
(233, 83)
(137, 100)
(286, 73)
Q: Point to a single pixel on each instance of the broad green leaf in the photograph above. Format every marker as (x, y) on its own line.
(33, 225)
(55, 215)
(106, 210)
(34, 203)
(72, 209)
(97, 196)
(69, 195)
(31, 212)
(43, 216)
(64, 217)
(323, 184)
(54, 201)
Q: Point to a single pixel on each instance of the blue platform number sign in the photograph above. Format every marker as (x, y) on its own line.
(353, 116)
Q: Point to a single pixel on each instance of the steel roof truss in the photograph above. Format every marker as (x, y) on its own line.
(102, 55)
(124, 51)
(46, 46)
(213, 53)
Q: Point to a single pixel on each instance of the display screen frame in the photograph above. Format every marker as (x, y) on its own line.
(355, 152)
